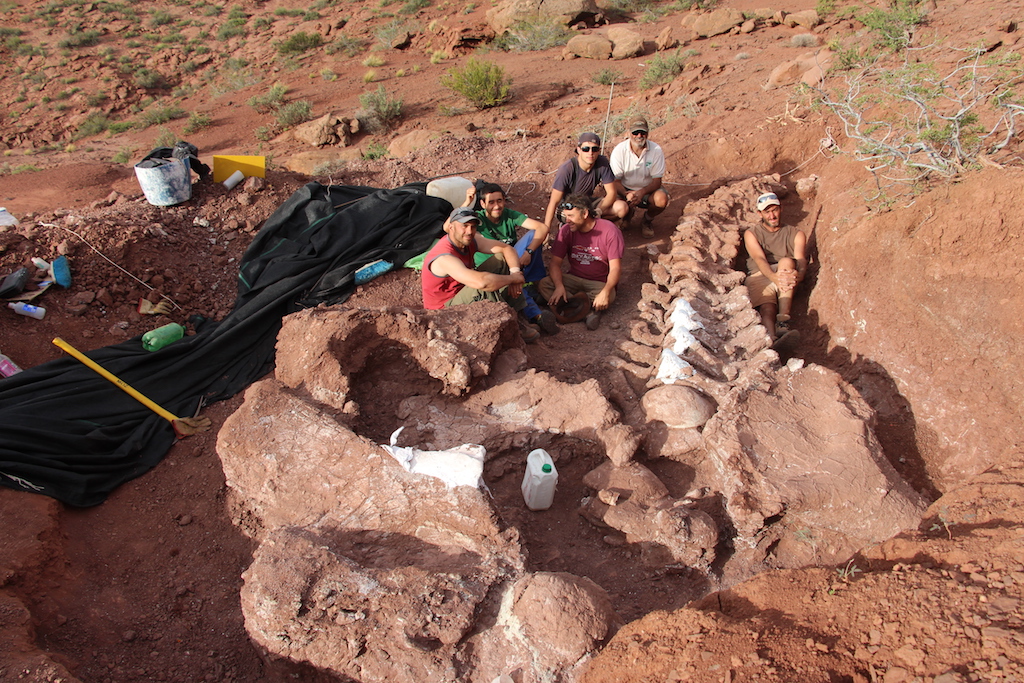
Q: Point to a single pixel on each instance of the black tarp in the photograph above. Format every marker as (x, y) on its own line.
(67, 433)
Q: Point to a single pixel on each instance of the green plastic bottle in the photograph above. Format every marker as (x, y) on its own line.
(162, 336)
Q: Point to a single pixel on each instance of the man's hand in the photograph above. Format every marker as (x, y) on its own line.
(633, 198)
(601, 300)
(558, 295)
(470, 196)
(525, 259)
(786, 280)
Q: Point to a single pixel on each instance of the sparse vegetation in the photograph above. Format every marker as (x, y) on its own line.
(804, 40)
(300, 42)
(165, 138)
(160, 115)
(608, 77)
(373, 61)
(370, 76)
(94, 124)
(481, 82)
(438, 56)
(346, 45)
(379, 109)
(912, 122)
(272, 100)
(123, 155)
(196, 122)
(148, 79)
(661, 69)
(79, 38)
(375, 150)
(414, 6)
(535, 34)
(294, 113)
(894, 27)
(391, 33)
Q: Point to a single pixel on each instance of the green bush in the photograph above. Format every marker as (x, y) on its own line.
(294, 113)
(289, 12)
(161, 18)
(120, 127)
(482, 83)
(380, 109)
(346, 45)
(80, 39)
(159, 115)
(534, 34)
(94, 124)
(272, 100)
(166, 138)
(196, 122)
(894, 28)
(149, 79)
(232, 28)
(375, 150)
(414, 6)
(608, 77)
(123, 156)
(661, 69)
(300, 42)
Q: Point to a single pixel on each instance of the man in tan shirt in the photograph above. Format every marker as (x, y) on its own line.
(777, 263)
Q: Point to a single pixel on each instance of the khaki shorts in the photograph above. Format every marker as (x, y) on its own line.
(761, 289)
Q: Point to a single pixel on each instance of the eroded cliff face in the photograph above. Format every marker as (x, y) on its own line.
(921, 310)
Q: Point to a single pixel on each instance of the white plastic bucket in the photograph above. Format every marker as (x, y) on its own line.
(452, 189)
(540, 480)
(167, 184)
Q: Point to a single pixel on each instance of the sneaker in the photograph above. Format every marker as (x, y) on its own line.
(546, 322)
(593, 320)
(529, 332)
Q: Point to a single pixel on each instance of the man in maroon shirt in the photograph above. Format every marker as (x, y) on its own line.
(449, 277)
(594, 247)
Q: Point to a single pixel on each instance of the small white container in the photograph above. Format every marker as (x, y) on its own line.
(540, 480)
(234, 179)
(31, 311)
(453, 189)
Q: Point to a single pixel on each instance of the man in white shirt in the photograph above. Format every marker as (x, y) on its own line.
(638, 165)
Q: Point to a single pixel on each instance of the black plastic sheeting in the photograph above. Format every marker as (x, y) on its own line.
(68, 433)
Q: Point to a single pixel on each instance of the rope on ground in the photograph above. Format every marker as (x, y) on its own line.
(104, 257)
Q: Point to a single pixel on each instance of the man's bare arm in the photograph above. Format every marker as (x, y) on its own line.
(549, 215)
(757, 253)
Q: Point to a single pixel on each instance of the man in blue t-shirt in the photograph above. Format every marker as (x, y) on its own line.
(584, 174)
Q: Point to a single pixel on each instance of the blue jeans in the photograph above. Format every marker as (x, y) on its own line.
(532, 273)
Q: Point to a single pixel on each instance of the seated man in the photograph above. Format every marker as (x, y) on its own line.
(776, 265)
(450, 276)
(594, 247)
(583, 174)
(498, 222)
(638, 165)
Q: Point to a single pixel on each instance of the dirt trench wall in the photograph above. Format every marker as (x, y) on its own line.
(922, 309)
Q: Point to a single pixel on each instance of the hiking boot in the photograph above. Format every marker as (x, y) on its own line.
(593, 320)
(546, 322)
(786, 342)
(647, 227)
(529, 332)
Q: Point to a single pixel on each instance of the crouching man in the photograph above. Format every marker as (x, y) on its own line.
(594, 247)
(777, 263)
(449, 277)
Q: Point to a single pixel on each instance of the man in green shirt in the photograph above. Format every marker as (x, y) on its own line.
(498, 222)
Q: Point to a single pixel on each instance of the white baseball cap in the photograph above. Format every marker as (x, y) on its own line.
(766, 200)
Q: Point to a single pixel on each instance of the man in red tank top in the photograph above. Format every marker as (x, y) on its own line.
(449, 278)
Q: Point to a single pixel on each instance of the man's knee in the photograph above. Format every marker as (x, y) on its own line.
(659, 198)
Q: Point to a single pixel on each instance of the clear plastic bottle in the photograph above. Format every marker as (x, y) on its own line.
(8, 367)
(540, 480)
(22, 308)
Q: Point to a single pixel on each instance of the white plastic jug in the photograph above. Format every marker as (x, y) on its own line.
(453, 189)
(540, 480)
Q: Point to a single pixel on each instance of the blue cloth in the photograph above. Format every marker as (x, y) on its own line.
(533, 273)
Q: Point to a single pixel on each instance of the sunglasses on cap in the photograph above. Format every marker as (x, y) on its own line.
(567, 206)
(595, 148)
(642, 133)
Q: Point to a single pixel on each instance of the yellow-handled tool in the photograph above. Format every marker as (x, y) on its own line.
(183, 426)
